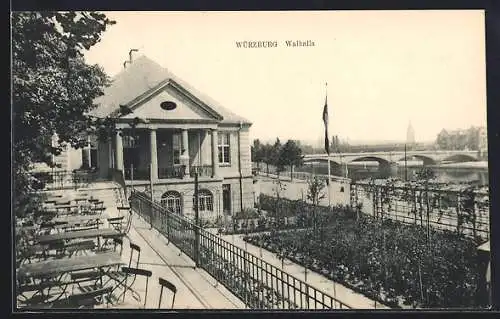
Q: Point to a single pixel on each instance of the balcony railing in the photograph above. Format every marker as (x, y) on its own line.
(169, 172)
(65, 179)
(138, 174)
(172, 172)
(203, 170)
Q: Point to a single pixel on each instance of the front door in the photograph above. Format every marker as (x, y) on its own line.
(130, 158)
(226, 199)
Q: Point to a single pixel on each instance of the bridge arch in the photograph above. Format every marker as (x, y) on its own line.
(322, 166)
(381, 161)
(320, 160)
(427, 160)
(460, 158)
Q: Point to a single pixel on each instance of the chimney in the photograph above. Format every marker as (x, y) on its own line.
(130, 54)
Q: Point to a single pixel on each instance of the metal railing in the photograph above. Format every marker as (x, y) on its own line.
(55, 180)
(203, 170)
(257, 283)
(172, 172)
(136, 174)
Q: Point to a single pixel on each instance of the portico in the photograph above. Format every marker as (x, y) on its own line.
(166, 151)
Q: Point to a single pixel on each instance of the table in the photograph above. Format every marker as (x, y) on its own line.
(79, 218)
(43, 270)
(56, 267)
(93, 233)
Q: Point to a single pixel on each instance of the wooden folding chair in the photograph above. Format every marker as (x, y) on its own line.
(128, 286)
(87, 299)
(167, 285)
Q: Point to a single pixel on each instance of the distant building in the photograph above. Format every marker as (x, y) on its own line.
(483, 143)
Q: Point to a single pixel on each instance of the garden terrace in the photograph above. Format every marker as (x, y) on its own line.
(399, 265)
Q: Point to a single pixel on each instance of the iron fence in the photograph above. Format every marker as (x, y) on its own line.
(55, 180)
(257, 283)
(464, 212)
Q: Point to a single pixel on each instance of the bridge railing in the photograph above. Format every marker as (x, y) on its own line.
(257, 283)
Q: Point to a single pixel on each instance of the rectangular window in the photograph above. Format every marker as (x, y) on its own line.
(224, 148)
(130, 141)
(177, 145)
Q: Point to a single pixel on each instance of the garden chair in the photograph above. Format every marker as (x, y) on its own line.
(120, 224)
(35, 294)
(128, 285)
(167, 285)
(87, 299)
(135, 257)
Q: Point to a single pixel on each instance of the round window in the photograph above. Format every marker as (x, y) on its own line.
(168, 105)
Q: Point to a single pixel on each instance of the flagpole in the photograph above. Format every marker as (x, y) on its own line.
(328, 152)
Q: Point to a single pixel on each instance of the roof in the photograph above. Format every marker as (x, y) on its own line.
(144, 75)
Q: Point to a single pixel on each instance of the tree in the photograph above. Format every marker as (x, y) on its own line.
(315, 193)
(267, 156)
(52, 88)
(291, 155)
(257, 152)
(275, 156)
(278, 188)
(473, 139)
(443, 140)
(425, 174)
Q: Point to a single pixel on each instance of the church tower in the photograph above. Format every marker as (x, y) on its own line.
(410, 135)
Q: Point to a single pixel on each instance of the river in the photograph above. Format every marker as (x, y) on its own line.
(474, 173)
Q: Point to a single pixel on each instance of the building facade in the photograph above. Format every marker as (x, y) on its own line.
(172, 132)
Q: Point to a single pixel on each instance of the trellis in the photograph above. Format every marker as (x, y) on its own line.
(464, 210)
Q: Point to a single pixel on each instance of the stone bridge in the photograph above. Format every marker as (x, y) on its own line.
(387, 160)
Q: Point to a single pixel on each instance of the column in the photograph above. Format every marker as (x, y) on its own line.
(119, 152)
(185, 151)
(215, 160)
(153, 155)
(89, 151)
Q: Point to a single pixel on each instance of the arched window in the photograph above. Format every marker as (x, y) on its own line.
(172, 201)
(206, 200)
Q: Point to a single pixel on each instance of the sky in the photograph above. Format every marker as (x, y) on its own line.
(384, 69)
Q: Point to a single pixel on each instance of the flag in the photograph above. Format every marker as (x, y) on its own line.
(325, 121)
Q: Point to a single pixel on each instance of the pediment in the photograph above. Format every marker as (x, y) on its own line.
(187, 107)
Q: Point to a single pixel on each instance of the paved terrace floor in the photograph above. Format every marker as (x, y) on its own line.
(196, 289)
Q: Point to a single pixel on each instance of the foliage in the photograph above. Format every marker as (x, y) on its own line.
(291, 155)
(52, 87)
(277, 160)
(315, 190)
(386, 260)
(247, 213)
(459, 140)
(257, 152)
(267, 158)
(426, 174)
